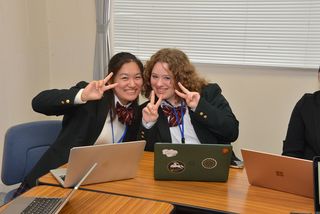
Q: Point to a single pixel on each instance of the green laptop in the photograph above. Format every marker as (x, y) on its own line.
(192, 162)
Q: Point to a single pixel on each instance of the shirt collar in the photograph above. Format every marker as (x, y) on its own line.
(116, 99)
(165, 103)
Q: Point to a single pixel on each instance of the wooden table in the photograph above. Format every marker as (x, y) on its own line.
(94, 202)
(236, 195)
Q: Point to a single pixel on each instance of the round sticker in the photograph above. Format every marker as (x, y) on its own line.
(209, 163)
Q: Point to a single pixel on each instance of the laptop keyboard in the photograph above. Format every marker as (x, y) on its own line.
(42, 205)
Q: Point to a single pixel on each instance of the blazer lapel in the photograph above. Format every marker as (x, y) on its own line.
(164, 129)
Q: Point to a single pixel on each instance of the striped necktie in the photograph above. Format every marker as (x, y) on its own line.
(125, 115)
(169, 112)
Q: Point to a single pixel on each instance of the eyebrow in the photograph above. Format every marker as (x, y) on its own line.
(127, 74)
(164, 75)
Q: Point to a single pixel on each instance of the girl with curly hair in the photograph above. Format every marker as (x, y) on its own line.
(183, 107)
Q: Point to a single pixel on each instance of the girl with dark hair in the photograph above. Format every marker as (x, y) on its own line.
(102, 111)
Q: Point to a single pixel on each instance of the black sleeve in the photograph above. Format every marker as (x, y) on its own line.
(214, 113)
(56, 101)
(294, 143)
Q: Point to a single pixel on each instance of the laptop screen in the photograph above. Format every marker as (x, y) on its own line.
(316, 182)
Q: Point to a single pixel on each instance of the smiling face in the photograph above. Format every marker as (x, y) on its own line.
(129, 79)
(162, 82)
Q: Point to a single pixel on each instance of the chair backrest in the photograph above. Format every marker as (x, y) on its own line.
(24, 144)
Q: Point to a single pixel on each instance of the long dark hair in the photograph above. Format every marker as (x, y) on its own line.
(115, 64)
(117, 61)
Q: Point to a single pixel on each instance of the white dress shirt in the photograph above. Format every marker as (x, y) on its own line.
(189, 133)
(106, 133)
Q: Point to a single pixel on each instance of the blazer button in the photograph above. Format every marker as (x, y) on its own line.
(142, 136)
(62, 102)
(205, 116)
(142, 132)
(201, 113)
(67, 101)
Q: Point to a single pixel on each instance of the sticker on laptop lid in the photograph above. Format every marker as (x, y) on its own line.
(209, 163)
(169, 152)
(176, 166)
(225, 150)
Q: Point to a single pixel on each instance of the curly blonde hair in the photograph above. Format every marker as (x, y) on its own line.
(179, 64)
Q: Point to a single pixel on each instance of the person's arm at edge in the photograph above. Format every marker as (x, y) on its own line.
(294, 143)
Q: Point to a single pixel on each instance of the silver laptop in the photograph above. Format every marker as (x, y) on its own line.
(25, 204)
(114, 162)
(282, 173)
(193, 162)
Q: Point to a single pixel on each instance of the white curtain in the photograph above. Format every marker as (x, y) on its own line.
(102, 48)
(282, 33)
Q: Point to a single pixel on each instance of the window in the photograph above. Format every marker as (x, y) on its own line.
(281, 33)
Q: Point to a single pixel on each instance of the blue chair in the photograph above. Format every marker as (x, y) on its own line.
(24, 144)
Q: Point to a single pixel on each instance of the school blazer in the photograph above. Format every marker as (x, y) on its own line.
(81, 125)
(213, 121)
(303, 135)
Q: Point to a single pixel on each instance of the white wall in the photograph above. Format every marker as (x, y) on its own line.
(72, 33)
(43, 44)
(23, 59)
(262, 100)
(50, 44)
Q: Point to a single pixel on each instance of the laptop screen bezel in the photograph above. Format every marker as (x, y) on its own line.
(316, 163)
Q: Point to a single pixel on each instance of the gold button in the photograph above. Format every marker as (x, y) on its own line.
(142, 132)
(67, 101)
(201, 113)
(62, 102)
(142, 136)
(205, 116)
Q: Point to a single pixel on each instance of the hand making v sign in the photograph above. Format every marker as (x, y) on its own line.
(95, 89)
(191, 98)
(150, 112)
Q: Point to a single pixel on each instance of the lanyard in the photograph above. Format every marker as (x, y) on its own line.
(181, 125)
(123, 135)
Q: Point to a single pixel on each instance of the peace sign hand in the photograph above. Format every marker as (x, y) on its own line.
(150, 112)
(95, 89)
(191, 98)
